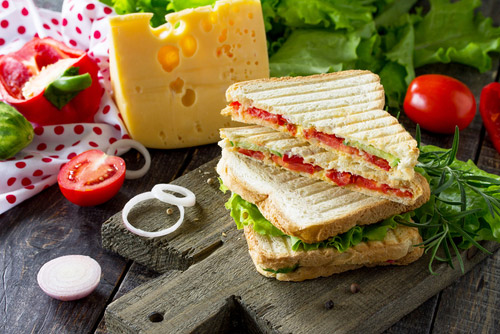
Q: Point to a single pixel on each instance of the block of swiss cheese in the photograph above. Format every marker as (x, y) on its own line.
(169, 82)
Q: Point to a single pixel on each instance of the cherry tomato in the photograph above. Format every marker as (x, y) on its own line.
(439, 102)
(91, 178)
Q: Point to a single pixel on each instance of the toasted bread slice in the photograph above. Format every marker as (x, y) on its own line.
(273, 256)
(346, 106)
(281, 149)
(309, 209)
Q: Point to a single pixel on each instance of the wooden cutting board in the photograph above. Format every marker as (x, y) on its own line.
(210, 282)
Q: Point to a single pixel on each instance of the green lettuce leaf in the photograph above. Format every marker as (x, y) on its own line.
(356, 235)
(247, 214)
(308, 52)
(157, 7)
(453, 32)
(178, 5)
(339, 14)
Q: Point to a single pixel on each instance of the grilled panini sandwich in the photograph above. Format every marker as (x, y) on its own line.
(292, 153)
(300, 228)
(342, 112)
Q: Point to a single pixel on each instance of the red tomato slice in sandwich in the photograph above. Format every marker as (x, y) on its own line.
(91, 178)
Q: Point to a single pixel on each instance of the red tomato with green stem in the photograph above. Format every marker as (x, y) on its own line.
(91, 178)
(439, 103)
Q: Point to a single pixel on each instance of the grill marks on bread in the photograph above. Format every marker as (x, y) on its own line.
(348, 104)
(309, 209)
(284, 144)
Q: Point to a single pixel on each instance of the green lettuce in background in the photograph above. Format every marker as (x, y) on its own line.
(388, 37)
(394, 40)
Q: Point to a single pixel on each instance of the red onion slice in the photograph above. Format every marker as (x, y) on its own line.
(189, 198)
(125, 145)
(69, 277)
(143, 197)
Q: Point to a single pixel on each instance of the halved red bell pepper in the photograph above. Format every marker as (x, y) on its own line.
(17, 68)
(489, 107)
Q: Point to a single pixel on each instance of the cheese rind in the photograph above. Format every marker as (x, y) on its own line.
(169, 82)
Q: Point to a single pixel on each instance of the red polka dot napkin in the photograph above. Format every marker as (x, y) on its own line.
(83, 25)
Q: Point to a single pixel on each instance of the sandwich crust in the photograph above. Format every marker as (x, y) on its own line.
(309, 209)
(275, 253)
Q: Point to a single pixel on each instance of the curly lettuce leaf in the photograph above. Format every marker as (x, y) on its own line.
(157, 7)
(308, 52)
(339, 14)
(245, 213)
(392, 12)
(453, 32)
(356, 235)
(178, 5)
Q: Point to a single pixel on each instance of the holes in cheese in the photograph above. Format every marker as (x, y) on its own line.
(223, 35)
(138, 89)
(189, 98)
(169, 57)
(188, 45)
(226, 49)
(206, 25)
(197, 127)
(176, 85)
(203, 53)
(250, 16)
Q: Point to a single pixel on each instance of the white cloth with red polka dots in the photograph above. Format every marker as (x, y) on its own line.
(82, 24)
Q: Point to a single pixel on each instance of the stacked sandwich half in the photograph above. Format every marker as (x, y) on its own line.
(322, 178)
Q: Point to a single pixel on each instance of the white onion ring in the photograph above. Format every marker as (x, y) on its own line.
(127, 144)
(142, 197)
(189, 198)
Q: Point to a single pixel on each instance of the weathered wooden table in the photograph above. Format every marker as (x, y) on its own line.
(47, 226)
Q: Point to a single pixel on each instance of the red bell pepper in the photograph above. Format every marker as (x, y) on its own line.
(489, 107)
(17, 68)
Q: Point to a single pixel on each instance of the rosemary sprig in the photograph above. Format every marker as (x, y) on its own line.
(443, 221)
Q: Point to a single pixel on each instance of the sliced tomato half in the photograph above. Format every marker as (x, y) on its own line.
(91, 178)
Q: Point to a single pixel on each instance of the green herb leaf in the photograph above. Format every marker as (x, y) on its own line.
(61, 91)
(464, 207)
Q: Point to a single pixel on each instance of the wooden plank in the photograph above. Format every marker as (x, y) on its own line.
(47, 226)
(202, 293)
(138, 274)
(38, 230)
(201, 232)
